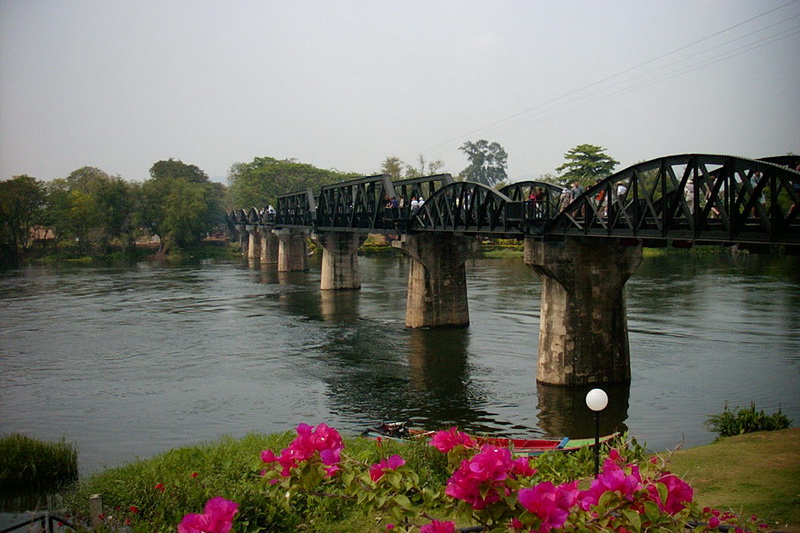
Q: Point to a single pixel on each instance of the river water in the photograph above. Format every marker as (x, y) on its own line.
(128, 362)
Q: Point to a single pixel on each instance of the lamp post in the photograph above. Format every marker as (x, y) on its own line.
(596, 400)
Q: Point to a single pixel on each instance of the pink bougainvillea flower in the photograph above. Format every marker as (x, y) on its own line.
(323, 442)
(377, 470)
(217, 517)
(615, 479)
(160, 487)
(550, 503)
(477, 480)
(522, 467)
(438, 527)
(133, 509)
(446, 440)
(678, 493)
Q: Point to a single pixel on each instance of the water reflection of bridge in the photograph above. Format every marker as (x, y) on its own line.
(585, 249)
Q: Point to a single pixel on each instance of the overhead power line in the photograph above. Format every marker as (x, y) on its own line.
(548, 109)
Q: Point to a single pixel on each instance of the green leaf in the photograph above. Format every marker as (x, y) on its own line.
(633, 518)
(663, 492)
(652, 511)
(403, 502)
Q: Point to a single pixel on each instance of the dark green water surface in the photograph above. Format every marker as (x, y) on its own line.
(129, 362)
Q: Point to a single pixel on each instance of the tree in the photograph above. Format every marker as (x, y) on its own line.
(180, 204)
(92, 208)
(260, 182)
(22, 201)
(393, 167)
(397, 169)
(586, 163)
(488, 162)
(425, 168)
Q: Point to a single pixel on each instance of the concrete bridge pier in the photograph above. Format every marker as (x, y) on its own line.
(292, 250)
(583, 329)
(241, 236)
(253, 242)
(437, 280)
(339, 259)
(269, 247)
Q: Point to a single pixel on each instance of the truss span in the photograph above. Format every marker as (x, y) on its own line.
(680, 199)
(695, 198)
(466, 207)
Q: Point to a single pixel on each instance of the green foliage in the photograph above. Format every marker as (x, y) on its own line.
(487, 162)
(165, 488)
(180, 204)
(745, 420)
(396, 169)
(22, 201)
(155, 494)
(28, 463)
(392, 166)
(91, 208)
(586, 163)
(260, 182)
(565, 467)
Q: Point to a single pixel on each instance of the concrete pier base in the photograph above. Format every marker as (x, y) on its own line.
(269, 247)
(437, 280)
(583, 329)
(253, 242)
(292, 251)
(339, 259)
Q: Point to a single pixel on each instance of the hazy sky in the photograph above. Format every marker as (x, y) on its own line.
(121, 84)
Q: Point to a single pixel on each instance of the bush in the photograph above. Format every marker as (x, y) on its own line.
(27, 463)
(153, 495)
(745, 420)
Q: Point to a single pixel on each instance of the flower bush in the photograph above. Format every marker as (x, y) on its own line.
(489, 490)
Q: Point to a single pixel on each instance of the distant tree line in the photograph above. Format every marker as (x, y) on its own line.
(91, 212)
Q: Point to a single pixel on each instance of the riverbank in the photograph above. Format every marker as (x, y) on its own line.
(756, 473)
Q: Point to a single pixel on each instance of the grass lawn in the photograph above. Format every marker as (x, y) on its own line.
(756, 473)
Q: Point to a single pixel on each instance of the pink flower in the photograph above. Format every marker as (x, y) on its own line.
(477, 480)
(160, 487)
(550, 503)
(392, 463)
(322, 441)
(217, 517)
(438, 527)
(522, 467)
(444, 441)
(678, 493)
(613, 478)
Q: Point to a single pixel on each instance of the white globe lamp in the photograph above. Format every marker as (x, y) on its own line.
(596, 400)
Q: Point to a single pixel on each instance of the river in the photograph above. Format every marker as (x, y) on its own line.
(131, 361)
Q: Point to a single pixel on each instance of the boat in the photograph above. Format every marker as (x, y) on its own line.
(400, 431)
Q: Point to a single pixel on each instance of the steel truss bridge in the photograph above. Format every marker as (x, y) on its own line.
(680, 200)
